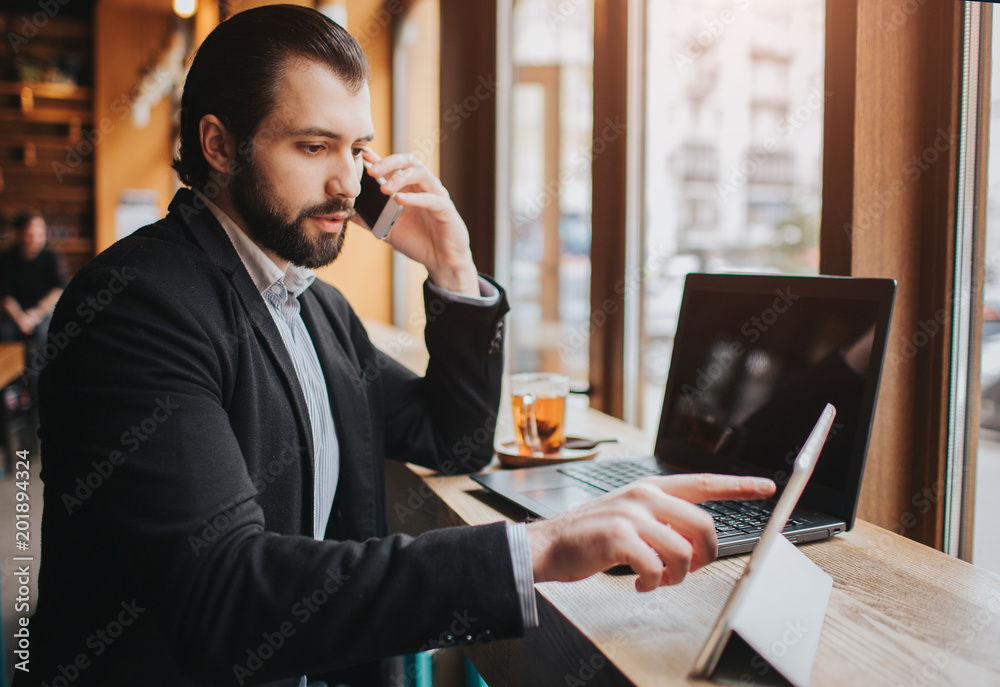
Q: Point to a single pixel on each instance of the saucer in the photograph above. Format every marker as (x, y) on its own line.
(510, 458)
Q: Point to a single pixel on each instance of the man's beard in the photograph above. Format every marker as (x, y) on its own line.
(269, 224)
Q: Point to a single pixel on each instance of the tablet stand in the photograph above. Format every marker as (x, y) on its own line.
(773, 634)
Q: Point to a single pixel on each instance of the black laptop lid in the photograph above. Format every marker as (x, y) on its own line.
(756, 358)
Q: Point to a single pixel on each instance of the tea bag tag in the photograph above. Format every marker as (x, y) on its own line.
(530, 423)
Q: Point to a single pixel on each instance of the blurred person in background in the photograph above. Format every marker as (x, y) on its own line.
(30, 282)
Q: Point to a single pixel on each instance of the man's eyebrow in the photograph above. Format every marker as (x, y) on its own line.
(326, 133)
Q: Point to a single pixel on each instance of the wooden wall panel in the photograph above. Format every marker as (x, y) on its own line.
(127, 40)
(46, 150)
(889, 205)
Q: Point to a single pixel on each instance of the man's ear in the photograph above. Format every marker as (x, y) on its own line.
(217, 145)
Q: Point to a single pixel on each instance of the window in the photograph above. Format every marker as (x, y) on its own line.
(549, 235)
(985, 544)
(734, 120)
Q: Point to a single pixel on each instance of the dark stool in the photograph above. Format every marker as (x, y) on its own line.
(18, 423)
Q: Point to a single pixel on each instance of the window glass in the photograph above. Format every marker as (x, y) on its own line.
(550, 186)
(416, 128)
(734, 137)
(985, 543)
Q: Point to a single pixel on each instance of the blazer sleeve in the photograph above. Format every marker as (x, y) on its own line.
(446, 419)
(138, 387)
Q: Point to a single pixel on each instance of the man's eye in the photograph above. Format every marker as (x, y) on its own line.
(357, 152)
(312, 148)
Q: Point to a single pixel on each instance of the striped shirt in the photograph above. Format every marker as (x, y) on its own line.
(280, 291)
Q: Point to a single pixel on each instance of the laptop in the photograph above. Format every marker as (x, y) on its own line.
(755, 360)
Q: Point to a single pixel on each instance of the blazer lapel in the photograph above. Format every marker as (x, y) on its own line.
(206, 231)
(349, 405)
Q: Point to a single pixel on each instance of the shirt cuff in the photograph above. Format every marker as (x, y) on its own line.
(488, 294)
(524, 578)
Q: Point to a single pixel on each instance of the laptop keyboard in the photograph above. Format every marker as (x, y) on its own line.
(608, 475)
(748, 517)
(731, 517)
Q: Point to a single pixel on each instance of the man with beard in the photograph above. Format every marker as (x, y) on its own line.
(216, 423)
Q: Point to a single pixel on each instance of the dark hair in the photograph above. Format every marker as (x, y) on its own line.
(24, 218)
(235, 73)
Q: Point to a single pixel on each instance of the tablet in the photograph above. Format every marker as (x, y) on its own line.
(802, 469)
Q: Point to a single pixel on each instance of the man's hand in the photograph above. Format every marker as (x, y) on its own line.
(651, 525)
(26, 323)
(429, 229)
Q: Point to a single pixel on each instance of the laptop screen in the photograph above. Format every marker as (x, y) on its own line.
(756, 358)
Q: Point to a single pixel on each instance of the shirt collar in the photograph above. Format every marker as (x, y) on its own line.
(262, 269)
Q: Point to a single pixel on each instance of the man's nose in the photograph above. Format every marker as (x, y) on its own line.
(343, 179)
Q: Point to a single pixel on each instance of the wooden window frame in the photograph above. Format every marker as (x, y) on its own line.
(889, 208)
(609, 213)
(468, 150)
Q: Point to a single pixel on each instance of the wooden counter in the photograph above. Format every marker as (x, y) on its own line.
(900, 613)
(11, 362)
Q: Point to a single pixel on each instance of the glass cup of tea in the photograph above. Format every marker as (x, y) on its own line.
(538, 400)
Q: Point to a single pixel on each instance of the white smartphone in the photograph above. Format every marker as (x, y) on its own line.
(377, 210)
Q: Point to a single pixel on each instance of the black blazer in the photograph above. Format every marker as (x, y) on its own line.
(177, 462)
